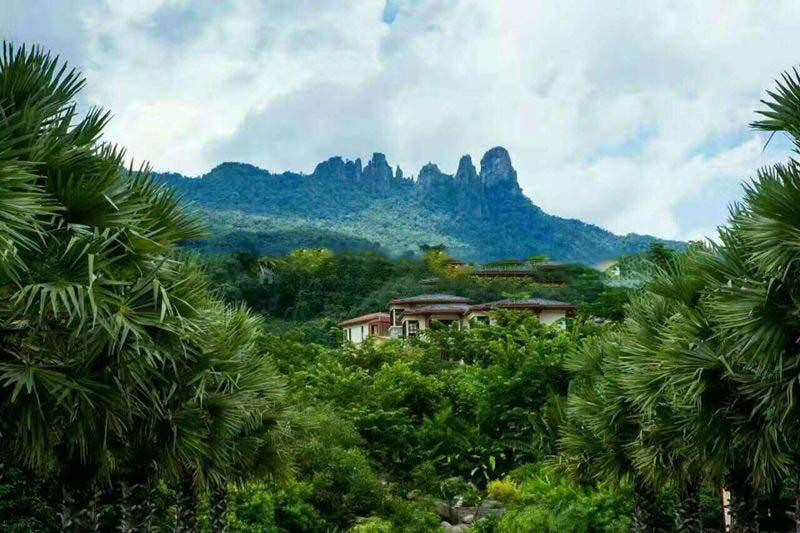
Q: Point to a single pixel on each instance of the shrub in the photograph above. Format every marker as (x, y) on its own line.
(26, 503)
(372, 524)
(504, 491)
(268, 508)
(489, 524)
(411, 517)
(252, 510)
(550, 504)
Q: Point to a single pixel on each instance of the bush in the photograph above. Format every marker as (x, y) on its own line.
(550, 504)
(26, 503)
(489, 524)
(268, 508)
(505, 491)
(372, 524)
(411, 517)
(252, 510)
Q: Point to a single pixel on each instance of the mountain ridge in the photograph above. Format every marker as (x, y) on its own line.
(479, 214)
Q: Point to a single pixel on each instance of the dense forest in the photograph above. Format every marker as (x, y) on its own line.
(476, 215)
(145, 386)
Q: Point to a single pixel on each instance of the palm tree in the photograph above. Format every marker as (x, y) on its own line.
(697, 424)
(602, 428)
(755, 302)
(687, 420)
(110, 346)
(225, 421)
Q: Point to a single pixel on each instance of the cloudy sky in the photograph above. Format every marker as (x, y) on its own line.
(630, 115)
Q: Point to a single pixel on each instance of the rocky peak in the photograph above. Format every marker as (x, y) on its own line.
(430, 176)
(429, 170)
(336, 168)
(496, 169)
(378, 174)
(398, 174)
(437, 187)
(466, 172)
(471, 193)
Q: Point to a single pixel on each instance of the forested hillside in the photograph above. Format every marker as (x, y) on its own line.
(477, 214)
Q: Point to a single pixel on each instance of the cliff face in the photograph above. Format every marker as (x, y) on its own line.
(496, 170)
(470, 192)
(377, 174)
(338, 169)
(375, 177)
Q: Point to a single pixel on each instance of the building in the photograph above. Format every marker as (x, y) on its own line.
(411, 315)
(547, 311)
(356, 330)
(610, 267)
(407, 317)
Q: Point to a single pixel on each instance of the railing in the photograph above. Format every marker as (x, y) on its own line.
(503, 268)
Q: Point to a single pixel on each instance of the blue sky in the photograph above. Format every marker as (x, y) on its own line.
(632, 116)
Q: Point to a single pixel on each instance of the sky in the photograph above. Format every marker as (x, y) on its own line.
(629, 115)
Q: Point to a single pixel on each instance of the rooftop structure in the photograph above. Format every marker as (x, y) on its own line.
(366, 319)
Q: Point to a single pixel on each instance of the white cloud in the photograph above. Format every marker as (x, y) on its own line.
(630, 116)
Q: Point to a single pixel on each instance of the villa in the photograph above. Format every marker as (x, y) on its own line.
(407, 317)
(357, 329)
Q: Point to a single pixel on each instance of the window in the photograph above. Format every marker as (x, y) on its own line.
(482, 319)
(362, 333)
(413, 327)
(396, 316)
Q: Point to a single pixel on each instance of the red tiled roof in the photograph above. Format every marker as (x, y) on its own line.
(370, 318)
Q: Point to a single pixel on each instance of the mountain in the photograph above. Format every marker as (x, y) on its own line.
(478, 214)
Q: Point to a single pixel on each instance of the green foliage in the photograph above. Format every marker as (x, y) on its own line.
(314, 282)
(386, 418)
(698, 385)
(553, 504)
(270, 508)
(504, 491)
(372, 525)
(119, 369)
(26, 502)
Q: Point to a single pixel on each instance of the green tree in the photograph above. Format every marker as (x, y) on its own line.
(707, 355)
(111, 349)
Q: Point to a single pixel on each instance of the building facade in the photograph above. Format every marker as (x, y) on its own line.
(407, 317)
(358, 329)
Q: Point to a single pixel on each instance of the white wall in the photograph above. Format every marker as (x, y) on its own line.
(548, 316)
(474, 315)
(358, 332)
